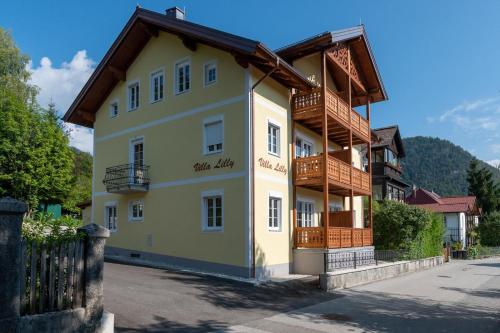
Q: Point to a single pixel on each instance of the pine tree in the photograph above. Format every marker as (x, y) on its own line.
(483, 186)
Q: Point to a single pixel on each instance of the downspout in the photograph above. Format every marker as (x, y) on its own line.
(252, 162)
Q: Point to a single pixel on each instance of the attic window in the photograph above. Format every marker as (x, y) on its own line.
(182, 76)
(133, 96)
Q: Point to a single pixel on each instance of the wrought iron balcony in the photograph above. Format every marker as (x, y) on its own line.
(127, 178)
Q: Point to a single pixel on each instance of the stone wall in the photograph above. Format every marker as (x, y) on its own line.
(84, 319)
(347, 279)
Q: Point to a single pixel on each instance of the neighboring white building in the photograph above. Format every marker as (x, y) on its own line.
(459, 213)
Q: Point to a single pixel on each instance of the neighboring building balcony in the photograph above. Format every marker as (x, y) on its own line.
(337, 237)
(127, 178)
(341, 176)
(308, 108)
(387, 169)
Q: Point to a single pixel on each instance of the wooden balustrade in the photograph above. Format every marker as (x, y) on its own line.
(309, 172)
(309, 237)
(338, 237)
(310, 105)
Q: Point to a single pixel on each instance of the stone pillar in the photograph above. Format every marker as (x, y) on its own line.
(94, 266)
(11, 219)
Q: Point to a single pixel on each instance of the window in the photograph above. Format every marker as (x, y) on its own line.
(391, 158)
(378, 156)
(113, 109)
(110, 217)
(210, 73)
(213, 129)
(303, 148)
(335, 207)
(212, 214)
(182, 76)
(136, 211)
(133, 96)
(273, 139)
(156, 86)
(305, 211)
(274, 213)
(137, 160)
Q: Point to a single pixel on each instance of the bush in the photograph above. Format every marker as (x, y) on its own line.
(397, 226)
(44, 228)
(489, 229)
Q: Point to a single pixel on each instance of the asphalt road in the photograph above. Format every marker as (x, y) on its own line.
(462, 296)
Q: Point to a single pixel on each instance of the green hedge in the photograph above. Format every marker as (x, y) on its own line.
(397, 226)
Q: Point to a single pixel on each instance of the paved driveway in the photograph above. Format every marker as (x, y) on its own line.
(463, 296)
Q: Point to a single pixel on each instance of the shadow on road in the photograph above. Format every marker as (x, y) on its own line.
(383, 312)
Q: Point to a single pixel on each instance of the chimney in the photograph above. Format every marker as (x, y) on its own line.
(175, 12)
(414, 190)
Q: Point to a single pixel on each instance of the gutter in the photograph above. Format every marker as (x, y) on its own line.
(252, 159)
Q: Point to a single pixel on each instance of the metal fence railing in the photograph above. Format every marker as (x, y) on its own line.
(334, 261)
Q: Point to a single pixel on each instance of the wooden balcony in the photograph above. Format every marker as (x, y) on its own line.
(308, 108)
(341, 176)
(337, 237)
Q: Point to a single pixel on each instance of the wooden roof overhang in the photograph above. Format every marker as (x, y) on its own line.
(145, 24)
(366, 80)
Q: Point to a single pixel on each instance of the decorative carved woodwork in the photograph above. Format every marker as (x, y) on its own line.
(339, 54)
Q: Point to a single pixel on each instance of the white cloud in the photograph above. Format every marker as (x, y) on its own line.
(61, 85)
(494, 163)
(479, 120)
(495, 148)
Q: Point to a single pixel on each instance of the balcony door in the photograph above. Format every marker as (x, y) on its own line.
(305, 211)
(303, 148)
(136, 160)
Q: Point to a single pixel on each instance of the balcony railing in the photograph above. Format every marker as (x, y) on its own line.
(337, 237)
(127, 178)
(310, 105)
(309, 172)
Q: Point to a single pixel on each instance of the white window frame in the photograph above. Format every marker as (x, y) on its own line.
(111, 108)
(206, 67)
(204, 217)
(304, 139)
(313, 212)
(274, 123)
(131, 218)
(106, 217)
(176, 75)
(156, 73)
(129, 95)
(207, 121)
(278, 196)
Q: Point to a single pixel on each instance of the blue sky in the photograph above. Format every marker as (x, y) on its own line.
(439, 59)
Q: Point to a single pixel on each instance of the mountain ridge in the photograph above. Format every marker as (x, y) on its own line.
(438, 165)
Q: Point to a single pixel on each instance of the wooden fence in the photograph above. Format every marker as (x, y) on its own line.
(51, 276)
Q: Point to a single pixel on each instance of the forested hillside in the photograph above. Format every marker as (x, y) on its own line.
(82, 181)
(438, 165)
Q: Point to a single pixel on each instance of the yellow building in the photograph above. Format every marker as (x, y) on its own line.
(208, 146)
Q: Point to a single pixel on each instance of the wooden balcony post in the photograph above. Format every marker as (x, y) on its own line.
(294, 197)
(325, 148)
(370, 212)
(351, 192)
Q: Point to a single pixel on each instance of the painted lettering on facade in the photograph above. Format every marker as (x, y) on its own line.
(222, 163)
(281, 168)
